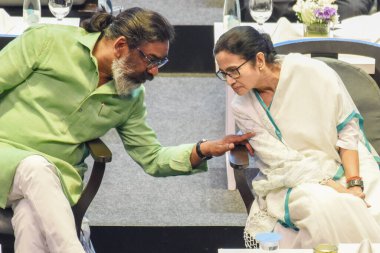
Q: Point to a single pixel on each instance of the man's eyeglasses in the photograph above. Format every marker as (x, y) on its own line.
(152, 63)
(233, 73)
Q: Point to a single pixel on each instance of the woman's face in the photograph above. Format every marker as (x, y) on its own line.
(249, 75)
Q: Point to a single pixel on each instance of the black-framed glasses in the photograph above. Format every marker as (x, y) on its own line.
(152, 63)
(233, 73)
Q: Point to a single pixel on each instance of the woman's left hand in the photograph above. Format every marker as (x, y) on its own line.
(357, 191)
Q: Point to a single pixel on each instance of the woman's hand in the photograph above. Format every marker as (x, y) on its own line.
(356, 190)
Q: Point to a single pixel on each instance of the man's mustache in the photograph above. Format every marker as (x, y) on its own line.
(142, 78)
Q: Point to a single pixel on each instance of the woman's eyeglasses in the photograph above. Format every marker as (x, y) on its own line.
(152, 63)
(233, 73)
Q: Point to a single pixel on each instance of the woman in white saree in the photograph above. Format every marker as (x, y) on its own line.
(320, 182)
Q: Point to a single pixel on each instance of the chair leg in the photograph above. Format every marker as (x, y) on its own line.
(88, 193)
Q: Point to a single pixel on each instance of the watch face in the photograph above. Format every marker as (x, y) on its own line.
(355, 182)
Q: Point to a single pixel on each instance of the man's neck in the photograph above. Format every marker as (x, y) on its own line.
(102, 52)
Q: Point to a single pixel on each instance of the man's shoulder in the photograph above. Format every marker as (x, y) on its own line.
(55, 30)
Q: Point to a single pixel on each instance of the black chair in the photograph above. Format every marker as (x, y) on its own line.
(363, 88)
(101, 155)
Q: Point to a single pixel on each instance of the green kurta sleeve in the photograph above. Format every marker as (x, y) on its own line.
(142, 145)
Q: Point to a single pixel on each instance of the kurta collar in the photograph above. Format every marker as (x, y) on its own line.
(89, 40)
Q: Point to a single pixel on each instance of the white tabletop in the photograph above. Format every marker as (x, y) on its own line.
(20, 25)
(342, 248)
(10, 25)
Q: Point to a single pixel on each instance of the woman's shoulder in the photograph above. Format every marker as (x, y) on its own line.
(304, 64)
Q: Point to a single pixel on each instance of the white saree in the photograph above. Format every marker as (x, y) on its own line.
(296, 148)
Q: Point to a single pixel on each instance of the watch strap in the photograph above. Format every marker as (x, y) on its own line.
(199, 152)
(355, 182)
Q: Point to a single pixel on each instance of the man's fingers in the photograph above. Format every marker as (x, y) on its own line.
(251, 151)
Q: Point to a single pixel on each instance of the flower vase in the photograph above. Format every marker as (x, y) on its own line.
(317, 30)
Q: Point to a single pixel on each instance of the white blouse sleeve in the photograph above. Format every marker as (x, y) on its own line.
(348, 137)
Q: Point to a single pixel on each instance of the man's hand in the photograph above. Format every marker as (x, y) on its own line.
(219, 147)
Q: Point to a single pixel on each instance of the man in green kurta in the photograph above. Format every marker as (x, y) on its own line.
(61, 86)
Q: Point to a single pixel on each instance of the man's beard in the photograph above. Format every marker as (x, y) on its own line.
(126, 80)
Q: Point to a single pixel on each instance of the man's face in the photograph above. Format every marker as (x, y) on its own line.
(136, 66)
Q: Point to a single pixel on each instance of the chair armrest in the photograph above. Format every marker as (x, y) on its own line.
(239, 161)
(239, 157)
(101, 155)
(99, 151)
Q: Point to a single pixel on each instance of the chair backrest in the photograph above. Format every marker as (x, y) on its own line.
(362, 88)
(331, 47)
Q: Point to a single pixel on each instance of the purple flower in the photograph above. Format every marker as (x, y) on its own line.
(325, 13)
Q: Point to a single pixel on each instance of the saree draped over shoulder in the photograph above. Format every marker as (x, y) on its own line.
(296, 147)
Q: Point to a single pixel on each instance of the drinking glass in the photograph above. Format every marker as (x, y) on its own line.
(260, 10)
(60, 8)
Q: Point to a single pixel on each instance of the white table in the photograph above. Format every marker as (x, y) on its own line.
(10, 25)
(342, 248)
(365, 63)
(20, 25)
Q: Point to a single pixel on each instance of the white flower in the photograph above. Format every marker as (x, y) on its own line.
(316, 11)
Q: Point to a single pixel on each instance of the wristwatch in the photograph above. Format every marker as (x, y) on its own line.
(199, 152)
(355, 182)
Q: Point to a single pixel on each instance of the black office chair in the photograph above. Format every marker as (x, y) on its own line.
(363, 88)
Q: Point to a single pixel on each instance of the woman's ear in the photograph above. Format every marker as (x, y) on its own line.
(260, 60)
(120, 45)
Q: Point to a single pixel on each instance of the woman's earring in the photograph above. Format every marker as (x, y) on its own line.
(261, 68)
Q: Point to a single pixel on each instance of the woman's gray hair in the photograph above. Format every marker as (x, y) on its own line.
(136, 24)
(246, 41)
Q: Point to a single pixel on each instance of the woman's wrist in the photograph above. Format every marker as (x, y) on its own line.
(348, 179)
(355, 181)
